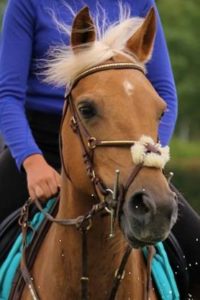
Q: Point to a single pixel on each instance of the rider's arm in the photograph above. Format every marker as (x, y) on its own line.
(15, 60)
(17, 50)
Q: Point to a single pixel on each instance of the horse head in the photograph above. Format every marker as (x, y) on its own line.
(111, 122)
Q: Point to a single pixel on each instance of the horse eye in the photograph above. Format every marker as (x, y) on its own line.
(87, 110)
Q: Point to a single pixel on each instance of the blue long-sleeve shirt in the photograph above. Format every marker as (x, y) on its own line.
(28, 32)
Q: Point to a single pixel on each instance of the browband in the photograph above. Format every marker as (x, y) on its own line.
(110, 66)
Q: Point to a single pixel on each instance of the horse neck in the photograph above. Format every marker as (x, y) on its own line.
(73, 203)
(104, 254)
(61, 257)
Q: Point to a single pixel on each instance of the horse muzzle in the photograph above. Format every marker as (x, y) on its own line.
(146, 221)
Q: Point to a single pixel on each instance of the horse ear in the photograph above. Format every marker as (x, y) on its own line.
(83, 29)
(141, 42)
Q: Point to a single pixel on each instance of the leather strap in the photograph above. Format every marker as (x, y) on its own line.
(104, 67)
(85, 275)
(120, 273)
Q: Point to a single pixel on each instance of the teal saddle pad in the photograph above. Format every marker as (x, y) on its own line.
(11, 264)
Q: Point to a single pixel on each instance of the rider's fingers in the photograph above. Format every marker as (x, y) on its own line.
(40, 192)
(32, 193)
(53, 186)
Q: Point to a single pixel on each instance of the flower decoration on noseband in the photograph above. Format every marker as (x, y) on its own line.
(148, 153)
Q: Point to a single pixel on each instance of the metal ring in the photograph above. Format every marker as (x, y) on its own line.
(92, 175)
(92, 143)
(89, 224)
(109, 191)
(108, 210)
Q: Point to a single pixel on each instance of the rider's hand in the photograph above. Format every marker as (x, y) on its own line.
(43, 181)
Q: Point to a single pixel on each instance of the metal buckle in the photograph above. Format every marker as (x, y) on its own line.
(92, 175)
(74, 124)
(84, 224)
(92, 143)
(120, 277)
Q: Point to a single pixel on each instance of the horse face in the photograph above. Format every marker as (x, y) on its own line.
(120, 105)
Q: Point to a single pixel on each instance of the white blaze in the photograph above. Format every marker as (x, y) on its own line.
(129, 87)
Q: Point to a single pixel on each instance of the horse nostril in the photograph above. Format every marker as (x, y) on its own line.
(140, 204)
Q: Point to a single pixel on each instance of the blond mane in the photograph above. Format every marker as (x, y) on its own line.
(63, 65)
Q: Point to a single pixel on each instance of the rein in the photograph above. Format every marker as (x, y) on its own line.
(112, 206)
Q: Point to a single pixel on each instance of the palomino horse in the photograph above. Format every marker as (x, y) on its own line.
(110, 123)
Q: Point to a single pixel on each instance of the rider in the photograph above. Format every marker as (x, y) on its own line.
(30, 110)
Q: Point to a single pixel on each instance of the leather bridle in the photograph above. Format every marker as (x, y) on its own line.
(101, 191)
(90, 143)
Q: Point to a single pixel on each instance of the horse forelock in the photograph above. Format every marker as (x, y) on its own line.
(63, 64)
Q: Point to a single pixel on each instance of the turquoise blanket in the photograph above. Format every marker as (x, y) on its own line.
(161, 269)
(163, 275)
(9, 267)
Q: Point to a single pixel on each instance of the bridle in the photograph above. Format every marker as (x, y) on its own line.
(112, 206)
(90, 143)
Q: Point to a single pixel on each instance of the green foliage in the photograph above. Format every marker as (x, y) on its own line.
(186, 179)
(2, 6)
(185, 150)
(185, 163)
(181, 21)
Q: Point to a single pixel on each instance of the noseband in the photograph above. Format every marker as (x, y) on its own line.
(88, 144)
